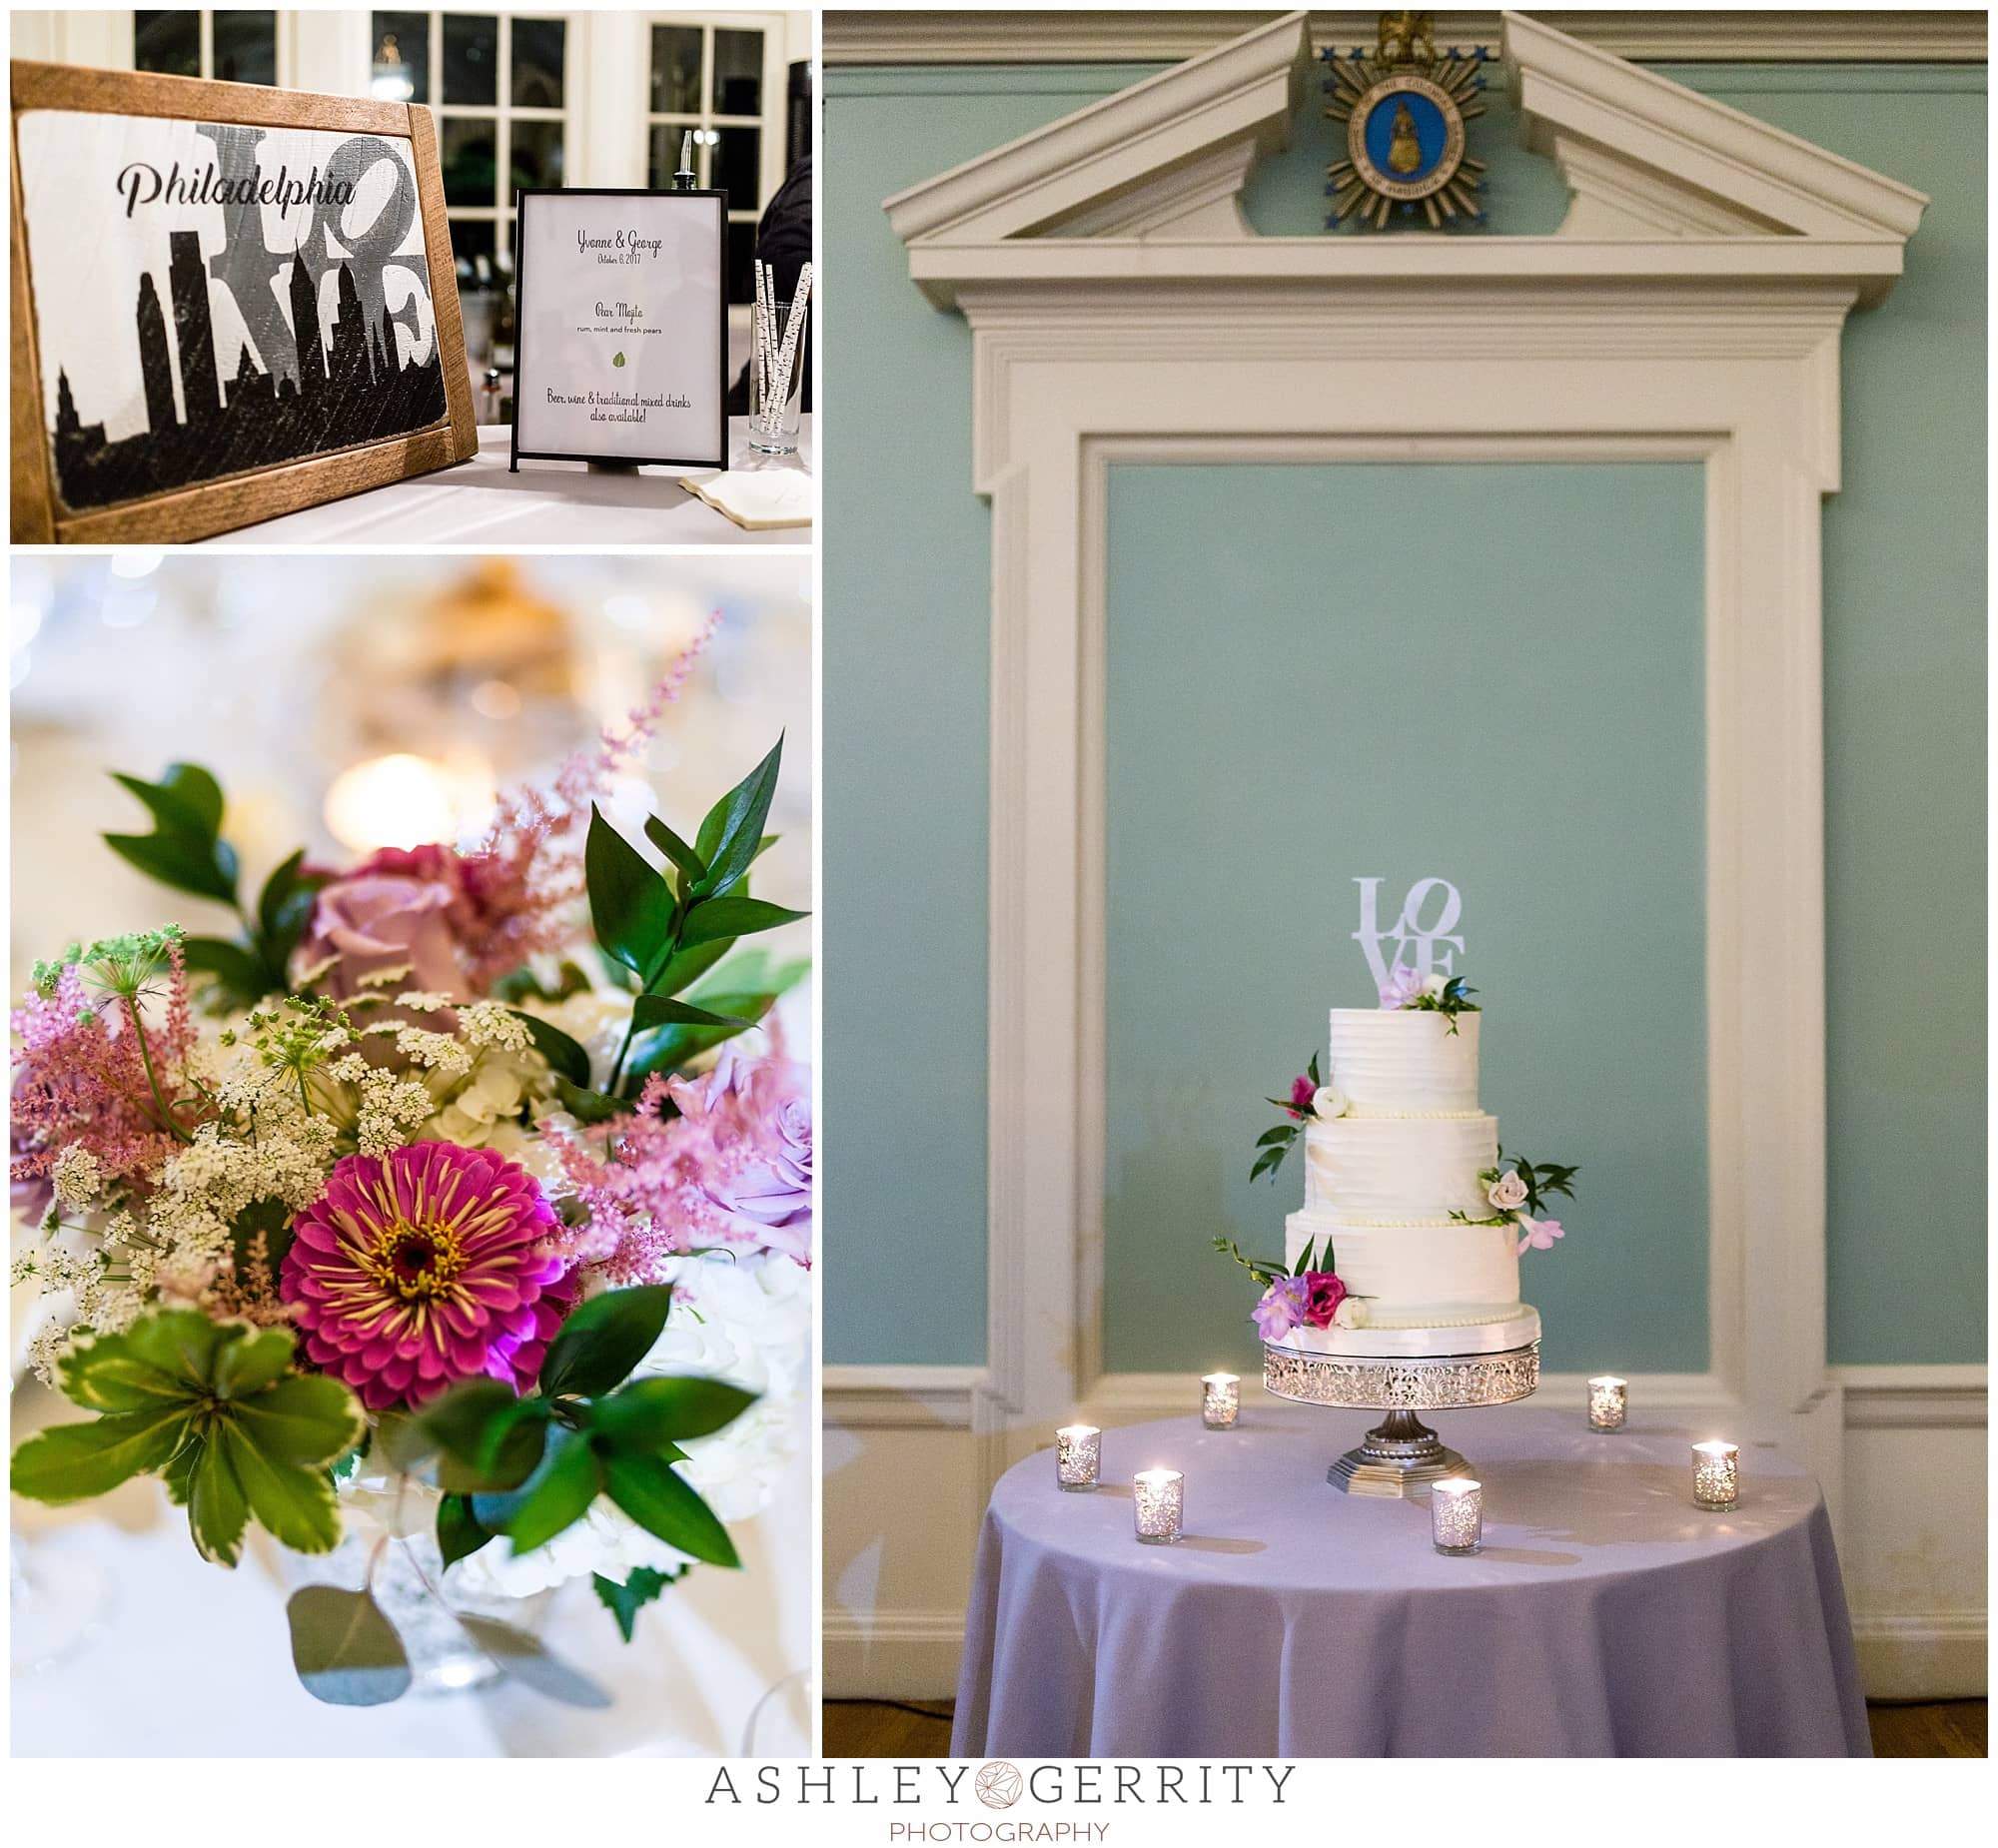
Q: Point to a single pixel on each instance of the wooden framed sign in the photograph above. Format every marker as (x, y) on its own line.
(621, 334)
(229, 303)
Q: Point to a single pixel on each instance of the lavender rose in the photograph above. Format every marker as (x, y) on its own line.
(399, 908)
(1403, 985)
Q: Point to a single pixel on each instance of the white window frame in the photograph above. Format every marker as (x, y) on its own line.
(708, 120)
(501, 114)
(280, 40)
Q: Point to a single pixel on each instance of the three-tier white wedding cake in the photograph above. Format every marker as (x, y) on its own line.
(1399, 1163)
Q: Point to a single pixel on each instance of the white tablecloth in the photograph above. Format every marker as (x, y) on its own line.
(191, 1659)
(478, 503)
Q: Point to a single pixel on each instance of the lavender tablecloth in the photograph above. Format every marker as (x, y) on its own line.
(1606, 1616)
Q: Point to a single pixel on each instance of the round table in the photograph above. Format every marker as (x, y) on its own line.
(1606, 1615)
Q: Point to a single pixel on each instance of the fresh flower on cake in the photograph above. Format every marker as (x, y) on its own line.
(1307, 1297)
(1517, 1194)
(1431, 994)
(464, 1193)
(1310, 1098)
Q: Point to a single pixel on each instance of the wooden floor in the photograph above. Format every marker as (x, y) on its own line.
(922, 1729)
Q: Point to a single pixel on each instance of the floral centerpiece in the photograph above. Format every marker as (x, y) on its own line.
(456, 1210)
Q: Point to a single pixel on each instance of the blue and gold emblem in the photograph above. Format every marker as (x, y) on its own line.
(1404, 107)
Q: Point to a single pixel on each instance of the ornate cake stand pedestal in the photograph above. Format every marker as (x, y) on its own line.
(1401, 1457)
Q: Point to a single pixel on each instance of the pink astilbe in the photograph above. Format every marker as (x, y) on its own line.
(80, 1078)
(733, 1169)
(526, 873)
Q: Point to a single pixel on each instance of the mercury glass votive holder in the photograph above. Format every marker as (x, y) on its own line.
(1456, 1515)
(1220, 1400)
(1716, 1474)
(1608, 1402)
(1078, 1456)
(1159, 1504)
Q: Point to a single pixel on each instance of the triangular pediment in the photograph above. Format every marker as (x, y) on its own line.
(1664, 181)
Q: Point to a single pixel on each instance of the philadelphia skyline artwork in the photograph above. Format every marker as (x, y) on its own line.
(336, 388)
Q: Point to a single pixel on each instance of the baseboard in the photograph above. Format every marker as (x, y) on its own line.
(1924, 1655)
(903, 1655)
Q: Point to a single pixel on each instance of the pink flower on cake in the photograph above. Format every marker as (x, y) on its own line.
(1507, 1194)
(1324, 1293)
(1281, 1310)
(423, 1267)
(1303, 1090)
(1538, 1233)
(1402, 986)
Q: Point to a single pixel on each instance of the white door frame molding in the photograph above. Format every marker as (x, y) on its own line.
(1122, 309)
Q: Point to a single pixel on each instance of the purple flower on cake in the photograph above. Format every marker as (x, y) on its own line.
(423, 1267)
(1402, 986)
(1507, 1193)
(1537, 1233)
(1324, 1293)
(1303, 1090)
(1281, 1310)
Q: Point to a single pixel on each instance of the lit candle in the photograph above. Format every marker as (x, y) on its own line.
(1160, 1503)
(1220, 1400)
(1716, 1474)
(1608, 1402)
(1456, 1515)
(1077, 1454)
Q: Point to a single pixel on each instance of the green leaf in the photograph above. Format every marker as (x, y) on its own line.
(490, 1439)
(656, 1496)
(344, 1650)
(624, 1601)
(217, 1508)
(675, 849)
(630, 908)
(307, 1420)
(180, 1342)
(647, 1414)
(72, 1463)
(253, 1361)
(555, 1496)
(1283, 1133)
(406, 1446)
(285, 907)
(205, 868)
(690, 966)
(274, 1219)
(600, 1343)
(566, 1057)
(668, 1049)
(660, 1011)
(587, 1106)
(186, 800)
(529, 1663)
(715, 918)
(733, 833)
(104, 1375)
(230, 963)
(458, 1533)
(294, 1505)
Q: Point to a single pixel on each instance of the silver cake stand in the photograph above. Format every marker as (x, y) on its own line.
(1402, 1455)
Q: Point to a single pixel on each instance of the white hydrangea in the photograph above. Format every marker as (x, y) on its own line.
(596, 1019)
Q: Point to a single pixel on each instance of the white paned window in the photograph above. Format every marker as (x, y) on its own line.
(501, 88)
(239, 47)
(722, 76)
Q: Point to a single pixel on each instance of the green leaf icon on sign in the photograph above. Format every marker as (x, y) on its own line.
(618, 360)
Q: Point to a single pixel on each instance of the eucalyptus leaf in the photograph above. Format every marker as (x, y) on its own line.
(527, 1660)
(344, 1650)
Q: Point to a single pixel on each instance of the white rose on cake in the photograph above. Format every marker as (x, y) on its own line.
(1507, 1193)
(1434, 984)
(1350, 1313)
(1327, 1102)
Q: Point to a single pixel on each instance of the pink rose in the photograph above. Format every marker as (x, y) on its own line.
(1507, 1194)
(1324, 1293)
(401, 908)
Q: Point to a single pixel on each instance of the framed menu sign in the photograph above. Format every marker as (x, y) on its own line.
(229, 303)
(621, 340)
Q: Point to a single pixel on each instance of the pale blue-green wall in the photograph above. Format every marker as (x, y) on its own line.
(1510, 698)
(906, 684)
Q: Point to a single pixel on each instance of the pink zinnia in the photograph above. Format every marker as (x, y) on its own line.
(423, 1267)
